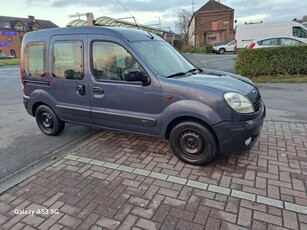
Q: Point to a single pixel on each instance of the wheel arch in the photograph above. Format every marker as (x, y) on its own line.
(36, 105)
(178, 120)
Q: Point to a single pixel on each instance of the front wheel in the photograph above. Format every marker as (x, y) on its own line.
(222, 51)
(193, 143)
(47, 121)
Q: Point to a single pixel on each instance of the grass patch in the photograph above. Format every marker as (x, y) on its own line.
(280, 79)
(9, 62)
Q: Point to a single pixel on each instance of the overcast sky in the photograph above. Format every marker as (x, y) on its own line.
(149, 12)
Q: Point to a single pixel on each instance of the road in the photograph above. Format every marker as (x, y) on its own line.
(285, 102)
(223, 62)
(21, 142)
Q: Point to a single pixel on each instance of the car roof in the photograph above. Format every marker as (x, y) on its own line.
(126, 33)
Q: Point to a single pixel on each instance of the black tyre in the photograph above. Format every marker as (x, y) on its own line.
(222, 51)
(47, 121)
(193, 143)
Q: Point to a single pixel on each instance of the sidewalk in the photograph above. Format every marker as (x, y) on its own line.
(124, 181)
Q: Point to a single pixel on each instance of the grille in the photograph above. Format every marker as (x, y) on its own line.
(257, 105)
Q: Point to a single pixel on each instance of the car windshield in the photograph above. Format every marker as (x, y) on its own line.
(164, 58)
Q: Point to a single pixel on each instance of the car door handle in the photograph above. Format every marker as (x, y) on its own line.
(81, 90)
(98, 92)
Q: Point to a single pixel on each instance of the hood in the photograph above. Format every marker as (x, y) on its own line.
(224, 83)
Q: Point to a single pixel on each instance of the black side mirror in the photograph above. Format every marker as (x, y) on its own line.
(136, 75)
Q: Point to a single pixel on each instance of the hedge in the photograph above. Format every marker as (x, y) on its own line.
(271, 61)
(4, 62)
(203, 49)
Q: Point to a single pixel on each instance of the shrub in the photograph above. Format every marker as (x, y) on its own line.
(9, 62)
(203, 49)
(271, 61)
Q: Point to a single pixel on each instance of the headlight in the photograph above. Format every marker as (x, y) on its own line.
(238, 102)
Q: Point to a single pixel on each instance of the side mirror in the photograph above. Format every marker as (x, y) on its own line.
(136, 75)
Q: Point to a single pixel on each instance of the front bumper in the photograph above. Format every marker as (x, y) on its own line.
(233, 136)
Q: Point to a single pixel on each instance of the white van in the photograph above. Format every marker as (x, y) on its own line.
(246, 33)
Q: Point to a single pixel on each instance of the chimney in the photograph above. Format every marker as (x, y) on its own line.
(31, 17)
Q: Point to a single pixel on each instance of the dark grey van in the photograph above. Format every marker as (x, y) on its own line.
(132, 80)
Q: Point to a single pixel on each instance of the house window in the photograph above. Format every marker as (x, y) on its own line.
(211, 38)
(36, 28)
(9, 39)
(214, 26)
(19, 28)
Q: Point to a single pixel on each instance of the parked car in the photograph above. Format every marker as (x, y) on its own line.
(6, 56)
(221, 49)
(134, 81)
(274, 42)
(245, 34)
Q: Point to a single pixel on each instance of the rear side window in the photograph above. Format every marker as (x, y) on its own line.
(34, 60)
(67, 60)
(289, 42)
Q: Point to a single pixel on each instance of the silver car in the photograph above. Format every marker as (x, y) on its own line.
(221, 49)
(274, 42)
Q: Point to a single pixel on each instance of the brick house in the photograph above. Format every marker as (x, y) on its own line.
(212, 23)
(13, 29)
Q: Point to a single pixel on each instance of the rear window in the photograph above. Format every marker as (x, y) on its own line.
(34, 60)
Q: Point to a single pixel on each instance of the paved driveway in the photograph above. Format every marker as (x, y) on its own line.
(123, 181)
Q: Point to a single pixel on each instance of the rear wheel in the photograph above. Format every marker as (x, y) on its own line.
(47, 121)
(193, 143)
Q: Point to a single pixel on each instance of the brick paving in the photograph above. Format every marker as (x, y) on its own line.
(125, 181)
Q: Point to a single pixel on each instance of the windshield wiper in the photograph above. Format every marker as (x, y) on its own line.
(176, 74)
(193, 71)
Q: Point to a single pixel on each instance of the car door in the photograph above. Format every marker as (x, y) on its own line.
(230, 46)
(69, 87)
(116, 102)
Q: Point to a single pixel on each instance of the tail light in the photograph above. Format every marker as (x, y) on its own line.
(251, 46)
(22, 80)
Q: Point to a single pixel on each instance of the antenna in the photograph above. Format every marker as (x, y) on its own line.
(193, 6)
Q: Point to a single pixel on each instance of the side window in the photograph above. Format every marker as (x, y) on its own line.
(67, 60)
(110, 61)
(34, 59)
(269, 42)
(288, 42)
(299, 32)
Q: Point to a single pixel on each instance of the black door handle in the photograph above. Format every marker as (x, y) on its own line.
(98, 90)
(81, 90)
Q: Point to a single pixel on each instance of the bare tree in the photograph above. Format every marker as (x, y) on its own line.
(184, 17)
